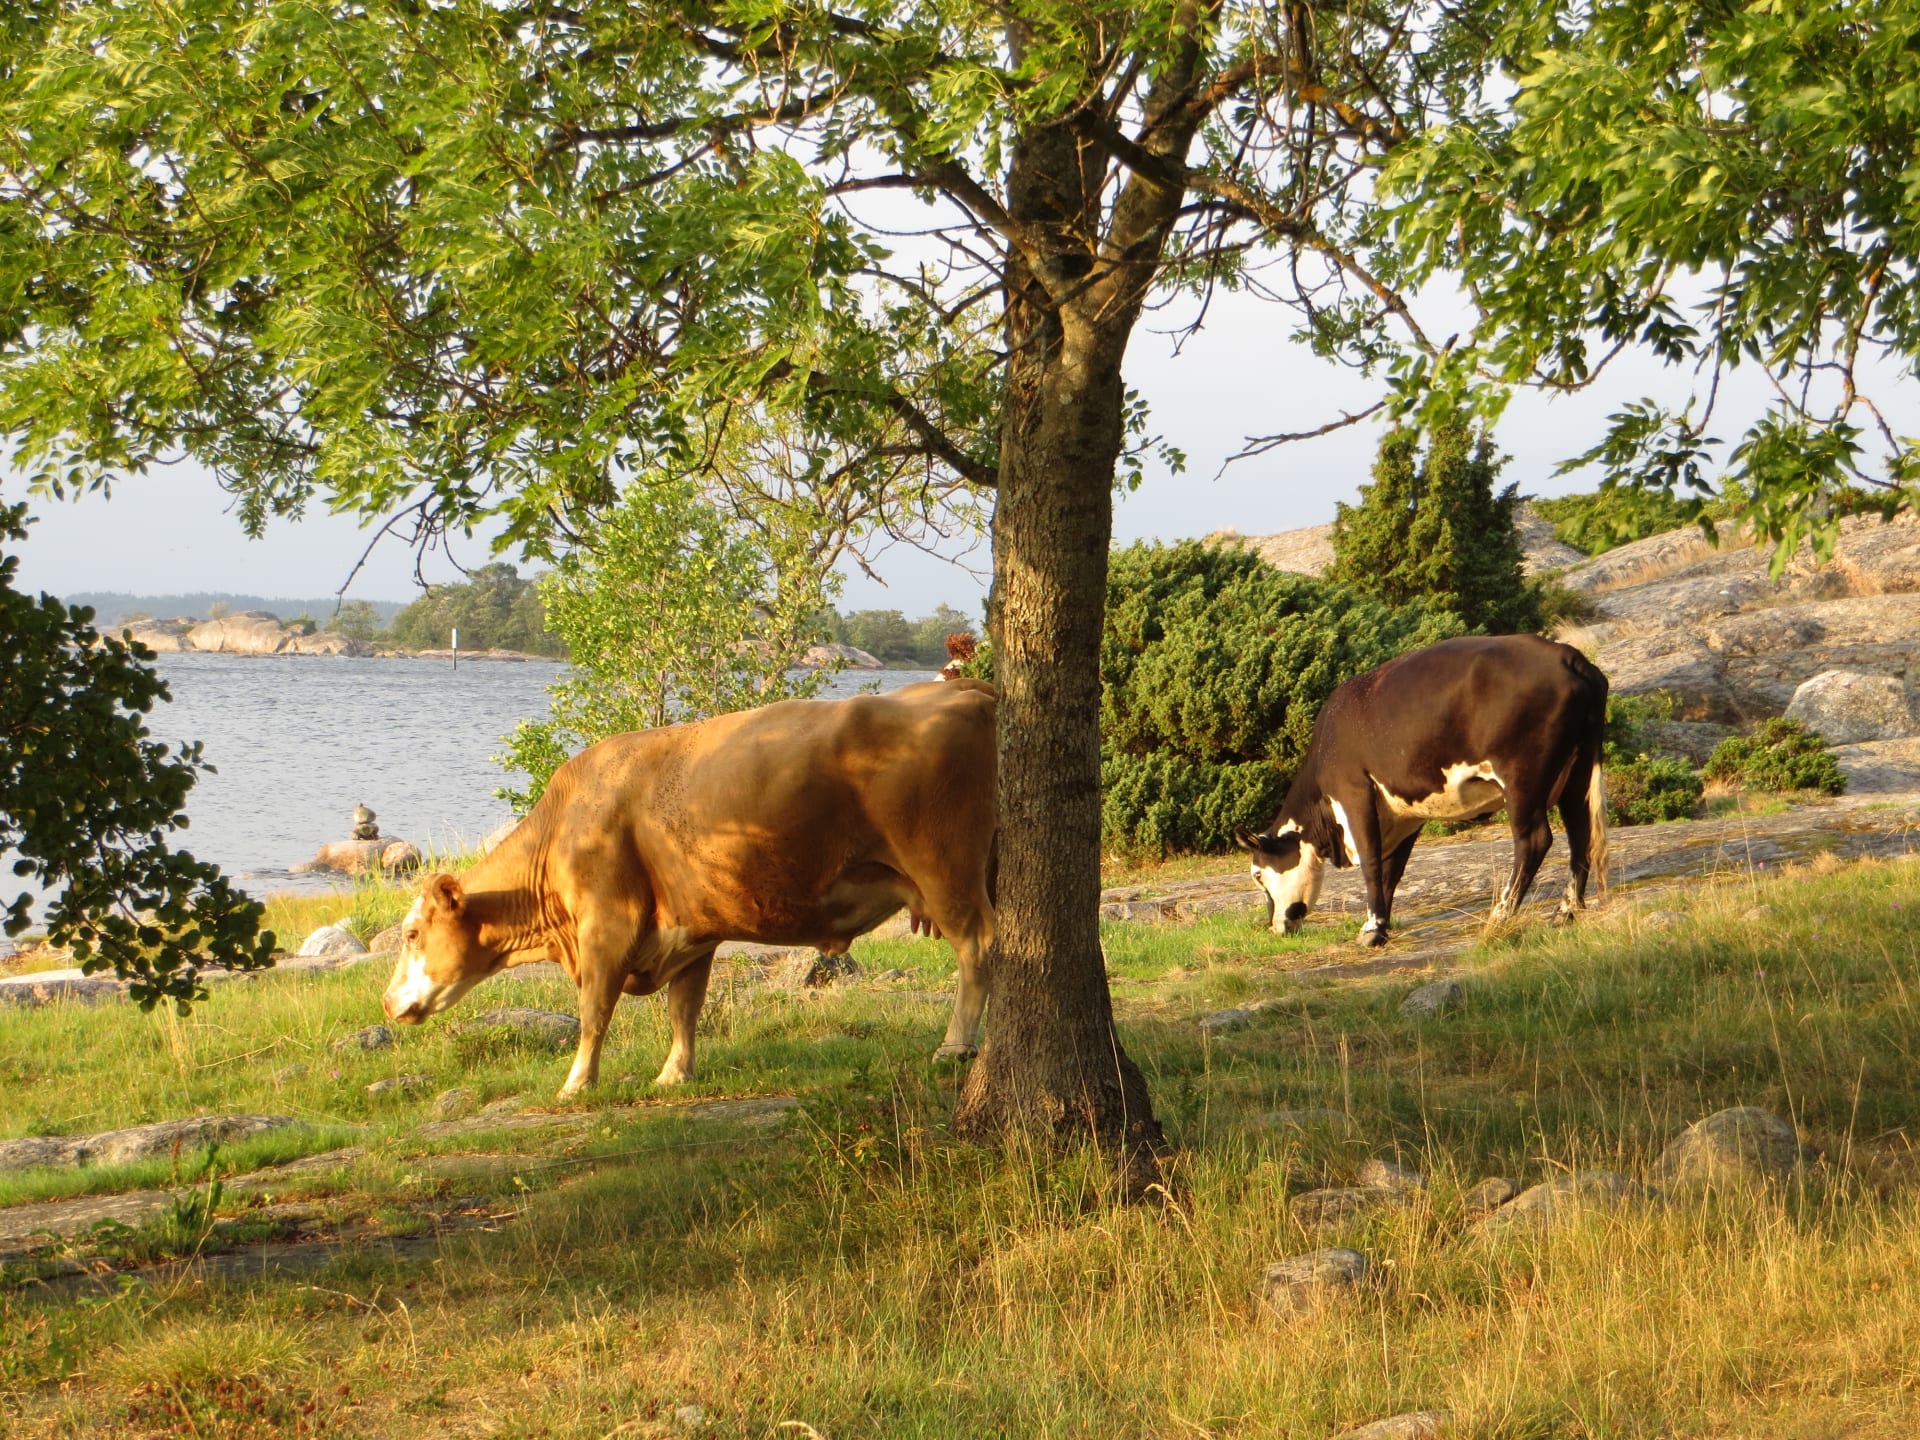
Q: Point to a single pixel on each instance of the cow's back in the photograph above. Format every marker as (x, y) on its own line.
(739, 822)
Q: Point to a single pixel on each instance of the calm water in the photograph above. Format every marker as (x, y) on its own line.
(299, 741)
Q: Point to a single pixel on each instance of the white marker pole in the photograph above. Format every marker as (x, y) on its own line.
(456, 647)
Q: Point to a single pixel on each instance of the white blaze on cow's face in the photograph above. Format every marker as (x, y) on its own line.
(1289, 870)
(440, 955)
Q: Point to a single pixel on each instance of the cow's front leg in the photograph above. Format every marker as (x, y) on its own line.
(686, 994)
(600, 987)
(1374, 865)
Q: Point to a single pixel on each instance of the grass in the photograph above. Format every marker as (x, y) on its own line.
(855, 1273)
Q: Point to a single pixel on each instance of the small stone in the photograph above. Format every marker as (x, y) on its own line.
(1338, 1204)
(331, 940)
(454, 1104)
(1222, 1021)
(1414, 1425)
(1760, 912)
(399, 1084)
(1742, 1144)
(1490, 1194)
(888, 977)
(1562, 1199)
(1385, 1175)
(1431, 1000)
(374, 1037)
(546, 1027)
(690, 1417)
(1266, 1003)
(1662, 920)
(1302, 1283)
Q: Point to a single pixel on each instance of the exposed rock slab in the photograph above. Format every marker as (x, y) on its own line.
(1414, 1425)
(159, 1140)
(1560, 1200)
(1301, 1284)
(1848, 706)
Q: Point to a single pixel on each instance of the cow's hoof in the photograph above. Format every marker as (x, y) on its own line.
(1563, 916)
(1373, 939)
(675, 1076)
(951, 1054)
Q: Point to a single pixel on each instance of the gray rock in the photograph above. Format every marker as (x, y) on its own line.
(1414, 1425)
(1151, 912)
(690, 1417)
(1755, 913)
(1563, 1199)
(1662, 920)
(1848, 706)
(374, 1037)
(1490, 1194)
(454, 1104)
(543, 1027)
(1303, 1283)
(1880, 766)
(1339, 1205)
(158, 1140)
(888, 977)
(288, 1073)
(1742, 1145)
(331, 940)
(387, 942)
(1385, 1175)
(399, 1084)
(1220, 1022)
(1433, 1000)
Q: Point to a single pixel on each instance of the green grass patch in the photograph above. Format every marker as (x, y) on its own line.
(857, 1272)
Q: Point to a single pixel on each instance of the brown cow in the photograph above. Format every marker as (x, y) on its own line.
(803, 823)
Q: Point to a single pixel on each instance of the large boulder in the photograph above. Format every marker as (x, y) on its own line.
(163, 637)
(331, 940)
(1847, 706)
(326, 642)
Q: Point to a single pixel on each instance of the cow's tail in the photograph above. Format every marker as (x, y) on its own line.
(1597, 789)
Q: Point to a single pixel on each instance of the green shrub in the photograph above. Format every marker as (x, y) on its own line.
(1213, 669)
(1780, 755)
(1648, 789)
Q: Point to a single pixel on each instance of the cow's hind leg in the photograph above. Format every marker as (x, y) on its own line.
(1573, 814)
(1532, 838)
(686, 993)
(968, 926)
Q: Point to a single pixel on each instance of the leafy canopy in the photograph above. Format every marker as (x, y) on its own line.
(495, 609)
(1719, 185)
(88, 800)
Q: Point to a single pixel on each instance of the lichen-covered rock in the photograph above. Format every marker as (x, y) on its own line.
(810, 970)
(374, 1037)
(1489, 1194)
(1563, 1199)
(454, 1104)
(331, 940)
(1744, 1144)
(1338, 1205)
(1880, 766)
(399, 1084)
(1385, 1175)
(1848, 706)
(1414, 1425)
(543, 1027)
(1434, 999)
(1303, 1283)
(1221, 1022)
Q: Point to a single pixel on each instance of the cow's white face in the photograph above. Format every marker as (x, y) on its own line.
(1289, 870)
(441, 957)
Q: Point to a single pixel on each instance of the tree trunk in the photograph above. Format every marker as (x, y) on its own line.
(1052, 1067)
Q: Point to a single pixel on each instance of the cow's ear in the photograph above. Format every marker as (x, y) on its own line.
(445, 891)
(1244, 840)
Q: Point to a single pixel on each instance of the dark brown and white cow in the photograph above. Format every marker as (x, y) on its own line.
(1451, 732)
(802, 823)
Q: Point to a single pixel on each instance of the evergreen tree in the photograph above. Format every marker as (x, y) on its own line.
(1431, 528)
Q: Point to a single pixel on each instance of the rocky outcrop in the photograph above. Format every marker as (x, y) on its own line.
(351, 857)
(1310, 551)
(245, 632)
(851, 657)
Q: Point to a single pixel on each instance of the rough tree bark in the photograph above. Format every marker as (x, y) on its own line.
(1052, 1066)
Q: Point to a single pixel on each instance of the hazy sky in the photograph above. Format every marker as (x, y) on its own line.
(171, 531)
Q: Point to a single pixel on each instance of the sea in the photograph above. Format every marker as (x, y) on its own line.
(297, 742)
